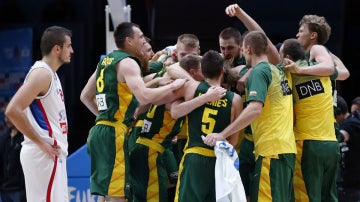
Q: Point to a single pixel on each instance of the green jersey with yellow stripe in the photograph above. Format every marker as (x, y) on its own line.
(211, 117)
(115, 101)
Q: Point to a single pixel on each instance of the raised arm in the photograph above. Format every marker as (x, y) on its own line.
(252, 25)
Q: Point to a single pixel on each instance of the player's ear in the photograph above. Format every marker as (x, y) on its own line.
(192, 72)
(314, 35)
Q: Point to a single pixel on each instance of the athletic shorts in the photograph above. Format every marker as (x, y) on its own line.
(45, 179)
(107, 153)
(148, 176)
(316, 170)
(273, 179)
(197, 179)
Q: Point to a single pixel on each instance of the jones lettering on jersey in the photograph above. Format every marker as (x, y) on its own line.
(285, 88)
(309, 88)
(218, 103)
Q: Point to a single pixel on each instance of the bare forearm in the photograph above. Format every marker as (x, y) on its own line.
(88, 94)
(152, 83)
(184, 108)
(88, 99)
(20, 121)
(249, 23)
(252, 25)
(156, 95)
(247, 116)
(320, 69)
(91, 105)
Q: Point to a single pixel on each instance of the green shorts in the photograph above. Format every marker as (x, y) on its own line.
(106, 149)
(316, 170)
(197, 179)
(148, 176)
(273, 179)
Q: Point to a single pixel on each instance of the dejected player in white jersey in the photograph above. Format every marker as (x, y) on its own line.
(37, 109)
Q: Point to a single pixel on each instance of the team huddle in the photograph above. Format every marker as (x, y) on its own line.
(158, 119)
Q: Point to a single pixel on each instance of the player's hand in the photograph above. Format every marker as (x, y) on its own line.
(232, 10)
(212, 138)
(215, 93)
(290, 65)
(51, 150)
(157, 55)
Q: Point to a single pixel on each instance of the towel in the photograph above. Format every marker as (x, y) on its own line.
(228, 184)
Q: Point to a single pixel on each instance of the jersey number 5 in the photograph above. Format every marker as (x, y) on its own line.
(208, 120)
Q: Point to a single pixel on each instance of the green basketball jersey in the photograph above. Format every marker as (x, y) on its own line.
(211, 117)
(115, 100)
(158, 124)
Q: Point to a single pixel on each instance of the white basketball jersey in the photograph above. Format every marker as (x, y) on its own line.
(47, 113)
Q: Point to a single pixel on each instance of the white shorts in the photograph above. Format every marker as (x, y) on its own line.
(45, 180)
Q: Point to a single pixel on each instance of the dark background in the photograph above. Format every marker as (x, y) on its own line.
(163, 21)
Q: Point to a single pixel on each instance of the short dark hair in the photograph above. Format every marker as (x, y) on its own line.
(123, 30)
(258, 41)
(189, 40)
(54, 35)
(231, 32)
(293, 48)
(190, 62)
(212, 64)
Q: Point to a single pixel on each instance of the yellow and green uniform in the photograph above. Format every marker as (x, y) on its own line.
(318, 150)
(106, 141)
(197, 168)
(150, 156)
(273, 134)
